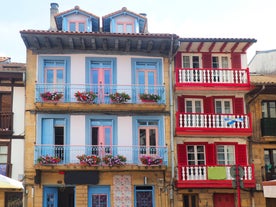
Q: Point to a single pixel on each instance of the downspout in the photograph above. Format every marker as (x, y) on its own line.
(171, 56)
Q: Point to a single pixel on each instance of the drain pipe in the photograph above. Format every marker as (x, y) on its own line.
(171, 56)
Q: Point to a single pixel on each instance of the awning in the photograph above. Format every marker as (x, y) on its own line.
(269, 188)
(6, 182)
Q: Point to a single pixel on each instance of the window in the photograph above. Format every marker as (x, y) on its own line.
(190, 200)
(99, 196)
(220, 62)
(148, 136)
(4, 159)
(54, 71)
(191, 61)
(77, 27)
(223, 106)
(196, 154)
(269, 109)
(225, 154)
(270, 163)
(193, 106)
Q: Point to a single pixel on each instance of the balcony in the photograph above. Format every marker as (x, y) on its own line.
(6, 123)
(215, 124)
(204, 176)
(215, 79)
(102, 92)
(68, 154)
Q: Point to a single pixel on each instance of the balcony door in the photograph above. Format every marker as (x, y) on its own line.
(224, 199)
(193, 61)
(101, 137)
(270, 164)
(225, 154)
(146, 77)
(196, 154)
(101, 78)
(148, 139)
(54, 75)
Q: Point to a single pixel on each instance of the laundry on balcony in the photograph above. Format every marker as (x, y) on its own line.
(231, 121)
(216, 173)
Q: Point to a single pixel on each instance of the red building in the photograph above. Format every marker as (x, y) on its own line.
(212, 125)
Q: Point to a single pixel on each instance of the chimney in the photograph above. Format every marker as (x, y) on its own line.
(53, 12)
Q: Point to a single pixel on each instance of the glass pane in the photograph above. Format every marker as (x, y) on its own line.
(186, 62)
(120, 28)
(198, 106)
(3, 158)
(264, 110)
(142, 139)
(60, 76)
(190, 148)
(195, 62)
(81, 27)
(189, 107)
(227, 107)
(272, 110)
(224, 61)
(152, 137)
(218, 107)
(50, 76)
(200, 148)
(215, 62)
(3, 150)
(144, 199)
(72, 26)
(129, 28)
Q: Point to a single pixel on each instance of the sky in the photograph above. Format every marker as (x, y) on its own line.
(186, 18)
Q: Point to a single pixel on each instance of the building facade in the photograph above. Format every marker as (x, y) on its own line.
(212, 124)
(12, 104)
(97, 111)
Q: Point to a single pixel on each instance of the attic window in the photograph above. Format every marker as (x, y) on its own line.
(77, 26)
(125, 27)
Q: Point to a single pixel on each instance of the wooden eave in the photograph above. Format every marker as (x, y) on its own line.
(59, 42)
(215, 45)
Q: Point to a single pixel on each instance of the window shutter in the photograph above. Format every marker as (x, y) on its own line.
(182, 154)
(206, 60)
(181, 104)
(239, 106)
(208, 105)
(210, 154)
(236, 61)
(178, 60)
(241, 152)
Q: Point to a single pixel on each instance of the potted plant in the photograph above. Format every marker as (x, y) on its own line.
(85, 96)
(148, 97)
(117, 160)
(51, 96)
(89, 160)
(119, 97)
(151, 160)
(47, 159)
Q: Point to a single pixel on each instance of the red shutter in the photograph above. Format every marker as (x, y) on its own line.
(236, 61)
(210, 154)
(241, 154)
(178, 60)
(208, 105)
(206, 60)
(181, 104)
(239, 106)
(181, 154)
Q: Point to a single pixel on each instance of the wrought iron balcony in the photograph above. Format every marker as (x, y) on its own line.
(102, 92)
(67, 154)
(212, 77)
(6, 123)
(200, 123)
(212, 176)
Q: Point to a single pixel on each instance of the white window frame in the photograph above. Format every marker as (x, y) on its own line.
(223, 108)
(221, 65)
(77, 26)
(196, 153)
(228, 155)
(191, 60)
(194, 105)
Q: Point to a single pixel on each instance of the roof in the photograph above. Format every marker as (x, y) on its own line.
(221, 45)
(64, 42)
(262, 84)
(142, 20)
(12, 74)
(5, 59)
(76, 10)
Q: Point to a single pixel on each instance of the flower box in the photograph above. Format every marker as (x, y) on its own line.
(147, 97)
(89, 160)
(45, 160)
(86, 97)
(119, 97)
(118, 160)
(151, 160)
(51, 96)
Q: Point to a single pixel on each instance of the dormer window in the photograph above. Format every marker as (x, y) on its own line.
(77, 26)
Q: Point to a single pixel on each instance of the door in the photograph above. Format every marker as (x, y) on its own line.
(99, 196)
(59, 197)
(148, 139)
(224, 199)
(193, 110)
(144, 196)
(101, 78)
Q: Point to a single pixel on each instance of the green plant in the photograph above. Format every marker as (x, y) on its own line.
(89, 160)
(51, 96)
(119, 97)
(117, 160)
(85, 96)
(46, 159)
(149, 97)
